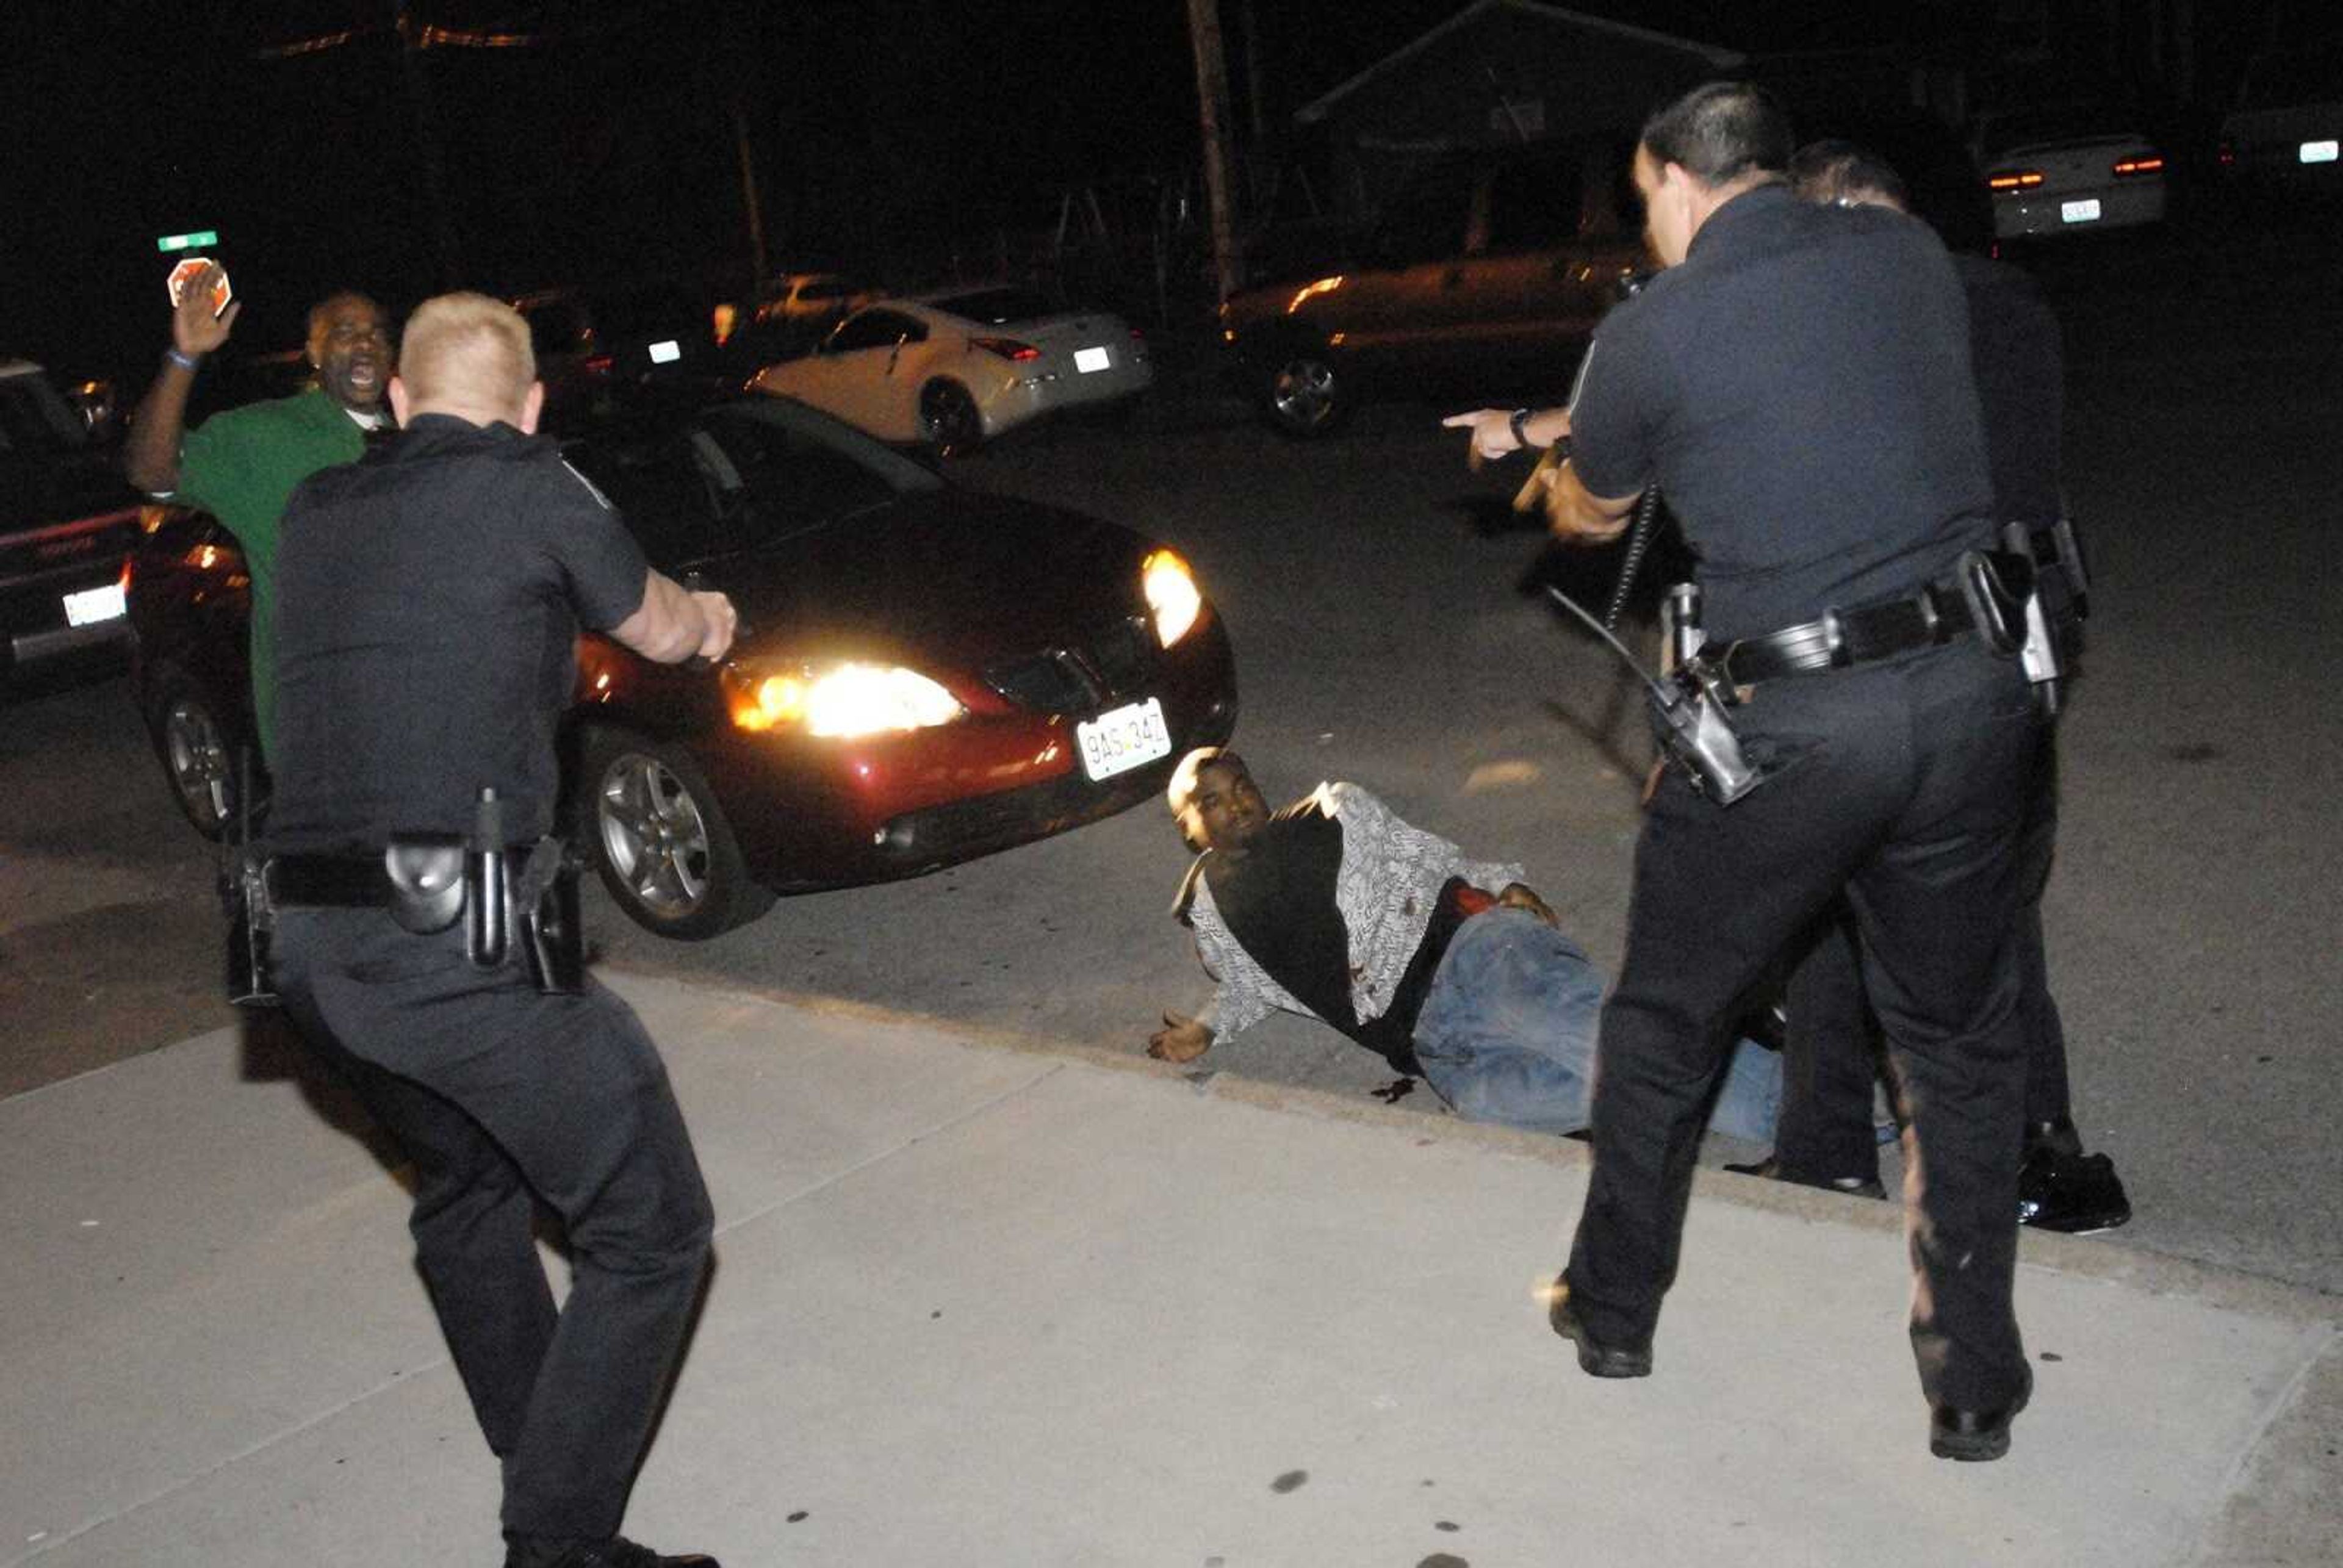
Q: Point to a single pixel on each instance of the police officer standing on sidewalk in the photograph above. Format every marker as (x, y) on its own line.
(1796, 383)
(428, 600)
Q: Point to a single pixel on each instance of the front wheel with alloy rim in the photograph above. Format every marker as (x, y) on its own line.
(1306, 395)
(660, 840)
(198, 752)
(948, 422)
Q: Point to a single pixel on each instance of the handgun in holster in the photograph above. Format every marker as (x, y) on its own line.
(2043, 618)
(2054, 608)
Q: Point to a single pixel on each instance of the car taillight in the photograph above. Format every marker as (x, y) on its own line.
(2008, 182)
(2226, 155)
(1007, 349)
(2145, 164)
(599, 364)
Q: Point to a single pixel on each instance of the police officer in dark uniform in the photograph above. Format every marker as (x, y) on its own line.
(1826, 1135)
(1796, 383)
(430, 598)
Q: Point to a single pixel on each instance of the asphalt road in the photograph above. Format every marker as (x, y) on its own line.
(1383, 635)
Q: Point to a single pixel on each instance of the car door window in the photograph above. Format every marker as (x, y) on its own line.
(34, 419)
(556, 328)
(1428, 223)
(874, 329)
(788, 479)
(662, 489)
(1533, 205)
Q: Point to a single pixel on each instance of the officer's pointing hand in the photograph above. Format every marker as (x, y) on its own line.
(1492, 433)
(721, 620)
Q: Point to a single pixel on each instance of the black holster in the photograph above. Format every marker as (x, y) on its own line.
(545, 912)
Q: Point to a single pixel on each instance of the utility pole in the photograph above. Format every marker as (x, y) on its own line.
(409, 35)
(1212, 104)
(756, 212)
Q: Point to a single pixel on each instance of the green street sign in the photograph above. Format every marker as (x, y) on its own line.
(201, 236)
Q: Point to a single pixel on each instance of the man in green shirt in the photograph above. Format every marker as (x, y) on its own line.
(242, 465)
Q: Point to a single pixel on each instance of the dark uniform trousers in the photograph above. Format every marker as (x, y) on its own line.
(1903, 782)
(1827, 1063)
(497, 1093)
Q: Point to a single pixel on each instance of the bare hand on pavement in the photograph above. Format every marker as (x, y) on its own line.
(1182, 1038)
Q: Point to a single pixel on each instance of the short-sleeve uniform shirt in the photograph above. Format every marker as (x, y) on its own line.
(1800, 389)
(430, 600)
(241, 467)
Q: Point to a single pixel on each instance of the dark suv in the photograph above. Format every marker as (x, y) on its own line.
(597, 349)
(67, 523)
(1486, 274)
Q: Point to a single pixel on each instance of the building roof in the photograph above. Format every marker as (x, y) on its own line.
(1712, 55)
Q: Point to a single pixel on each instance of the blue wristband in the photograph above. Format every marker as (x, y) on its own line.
(184, 361)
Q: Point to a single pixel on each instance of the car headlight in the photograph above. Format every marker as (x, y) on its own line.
(1172, 594)
(842, 701)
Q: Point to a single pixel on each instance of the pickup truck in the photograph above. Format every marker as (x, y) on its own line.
(68, 523)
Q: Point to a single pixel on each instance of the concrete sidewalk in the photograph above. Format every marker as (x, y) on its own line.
(980, 1304)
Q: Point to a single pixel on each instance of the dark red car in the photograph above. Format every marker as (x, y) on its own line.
(925, 674)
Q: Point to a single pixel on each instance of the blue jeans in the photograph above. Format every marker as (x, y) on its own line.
(1507, 1034)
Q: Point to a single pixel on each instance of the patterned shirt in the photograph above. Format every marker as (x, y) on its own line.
(1386, 891)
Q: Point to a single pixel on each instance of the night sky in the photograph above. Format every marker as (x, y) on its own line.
(604, 142)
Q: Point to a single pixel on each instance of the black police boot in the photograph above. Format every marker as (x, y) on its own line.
(615, 1552)
(2076, 1194)
(1976, 1434)
(1595, 1359)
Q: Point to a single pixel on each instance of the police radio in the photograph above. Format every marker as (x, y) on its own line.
(1687, 708)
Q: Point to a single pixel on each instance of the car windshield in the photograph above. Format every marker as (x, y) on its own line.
(2296, 76)
(997, 307)
(740, 477)
(640, 313)
(34, 419)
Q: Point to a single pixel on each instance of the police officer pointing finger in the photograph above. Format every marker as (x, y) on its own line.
(1796, 382)
(429, 600)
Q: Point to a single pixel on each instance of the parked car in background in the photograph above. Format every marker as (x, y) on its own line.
(923, 673)
(68, 525)
(2068, 168)
(2287, 130)
(1485, 276)
(949, 371)
(595, 348)
(813, 301)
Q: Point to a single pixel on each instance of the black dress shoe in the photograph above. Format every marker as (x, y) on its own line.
(616, 1552)
(1597, 1359)
(2076, 1194)
(1770, 1169)
(1975, 1434)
